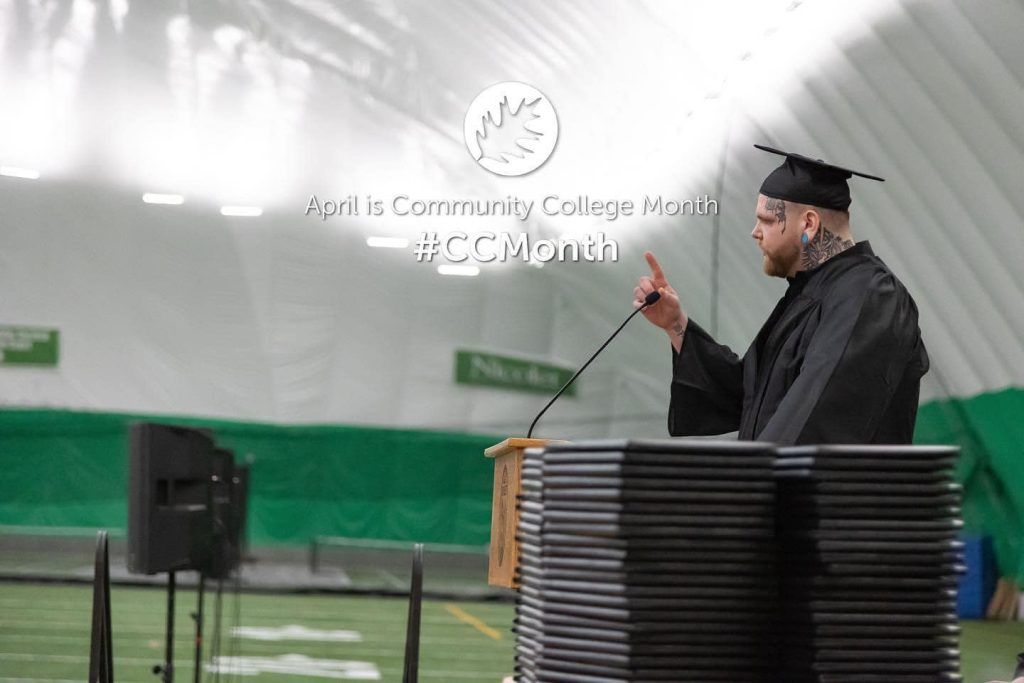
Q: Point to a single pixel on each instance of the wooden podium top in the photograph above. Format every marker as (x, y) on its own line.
(512, 443)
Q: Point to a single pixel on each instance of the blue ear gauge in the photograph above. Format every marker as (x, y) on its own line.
(803, 238)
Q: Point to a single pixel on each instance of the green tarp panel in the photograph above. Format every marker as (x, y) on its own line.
(990, 431)
(63, 468)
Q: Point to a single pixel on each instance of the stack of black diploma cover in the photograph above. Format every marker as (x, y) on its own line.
(869, 564)
(647, 561)
(689, 560)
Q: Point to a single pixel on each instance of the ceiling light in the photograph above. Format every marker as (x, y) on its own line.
(157, 198)
(388, 242)
(18, 172)
(245, 211)
(464, 271)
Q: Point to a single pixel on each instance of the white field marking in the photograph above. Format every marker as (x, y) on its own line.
(262, 614)
(75, 608)
(325, 611)
(378, 629)
(396, 622)
(444, 675)
(295, 632)
(295, 665)
(447, 675)
(371, 613)
(363, 649)
(72, 630)
(305, 614)
(82, 598)
(392, 579)
(46, 629)
(76, 659)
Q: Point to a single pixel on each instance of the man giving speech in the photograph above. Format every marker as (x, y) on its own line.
(839, 360)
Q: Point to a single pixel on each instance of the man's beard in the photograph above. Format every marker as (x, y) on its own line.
(781, 263)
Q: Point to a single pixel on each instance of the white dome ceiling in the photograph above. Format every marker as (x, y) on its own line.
(286, 317)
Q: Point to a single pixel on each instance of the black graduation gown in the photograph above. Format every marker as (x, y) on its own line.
(839, 360)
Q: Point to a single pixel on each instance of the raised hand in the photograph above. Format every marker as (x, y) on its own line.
(666, 313)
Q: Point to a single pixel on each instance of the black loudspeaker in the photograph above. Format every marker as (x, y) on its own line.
(226, 549)
(169, 499)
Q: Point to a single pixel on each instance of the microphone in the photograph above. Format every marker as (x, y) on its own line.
(650, 299)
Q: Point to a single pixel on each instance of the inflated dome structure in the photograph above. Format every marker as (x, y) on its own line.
(223, 299)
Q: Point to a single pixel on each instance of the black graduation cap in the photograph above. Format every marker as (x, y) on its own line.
(810, 181)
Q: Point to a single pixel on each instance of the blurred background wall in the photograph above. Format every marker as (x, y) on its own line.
(312, 352)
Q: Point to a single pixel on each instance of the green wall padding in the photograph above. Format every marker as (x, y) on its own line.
(65, 468)
(989, 428)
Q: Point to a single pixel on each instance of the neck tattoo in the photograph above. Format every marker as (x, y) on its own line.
(824, 246)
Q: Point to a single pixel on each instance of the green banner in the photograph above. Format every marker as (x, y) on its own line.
(28, 345)
(504, 372)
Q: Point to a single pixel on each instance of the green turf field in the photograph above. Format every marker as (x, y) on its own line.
(44, 636)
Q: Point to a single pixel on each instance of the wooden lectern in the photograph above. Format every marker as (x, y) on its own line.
(504, 554)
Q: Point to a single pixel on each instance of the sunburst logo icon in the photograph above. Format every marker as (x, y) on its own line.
(511, 128)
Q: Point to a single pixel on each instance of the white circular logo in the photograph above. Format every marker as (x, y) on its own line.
(511, 128)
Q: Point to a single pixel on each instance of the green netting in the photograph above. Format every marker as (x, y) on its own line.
(990, 431)
(65, 468)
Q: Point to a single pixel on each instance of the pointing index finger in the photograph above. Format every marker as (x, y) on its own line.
(655, 268)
